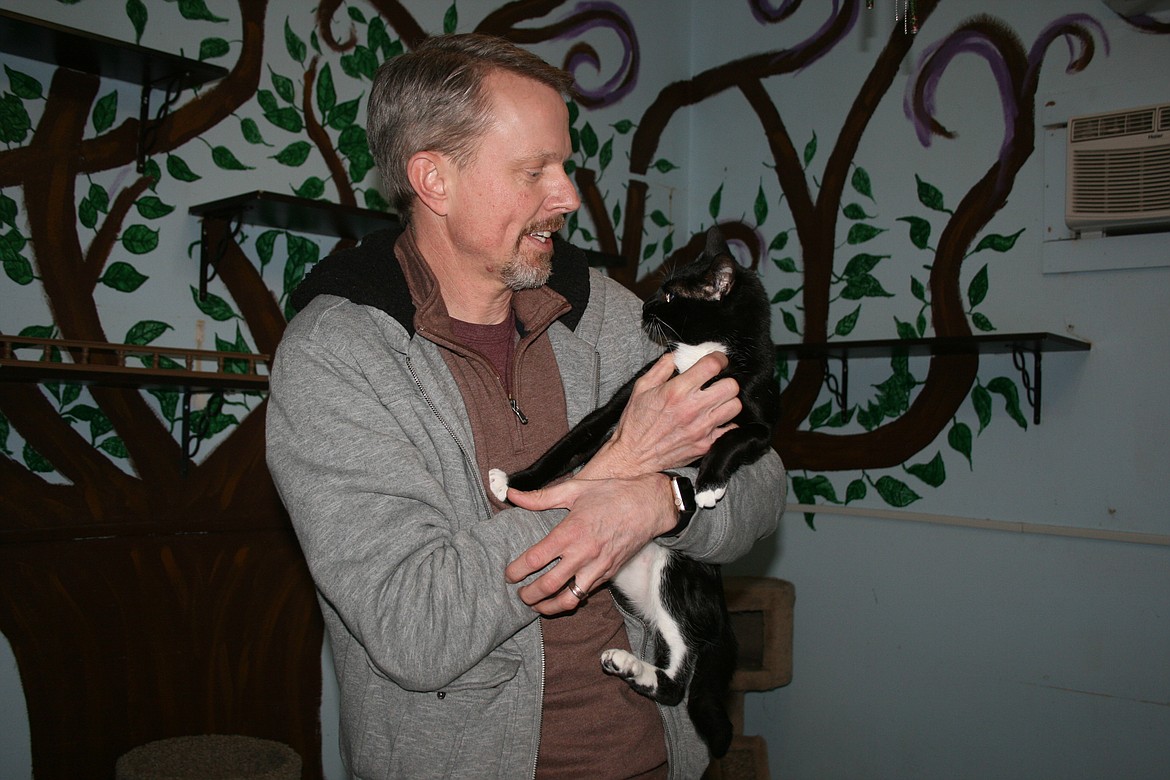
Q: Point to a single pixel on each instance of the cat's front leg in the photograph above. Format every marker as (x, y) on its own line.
(734, 449)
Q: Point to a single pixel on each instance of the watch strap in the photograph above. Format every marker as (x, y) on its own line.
(683, 492)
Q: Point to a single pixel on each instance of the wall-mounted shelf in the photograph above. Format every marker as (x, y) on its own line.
(271, 209)
(1018, 345)
(25, 359)
(36, 39)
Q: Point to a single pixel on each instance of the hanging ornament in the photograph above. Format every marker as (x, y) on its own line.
(909, 19)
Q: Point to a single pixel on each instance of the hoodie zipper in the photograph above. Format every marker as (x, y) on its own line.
(484, 503)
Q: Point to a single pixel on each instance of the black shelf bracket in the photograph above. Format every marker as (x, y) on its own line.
(1033, 383)
(215, 232)
(148, 126)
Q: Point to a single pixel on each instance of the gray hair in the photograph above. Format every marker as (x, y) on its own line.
(432, 99)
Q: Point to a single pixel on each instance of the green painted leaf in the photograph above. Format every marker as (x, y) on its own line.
(905, 330)
(210, 48)
(809, 518)
(785, 295)
(981, 322)
(326, 92)
(786, 264)
(287, 118)
(959, 437)
(1011, 396)
(820, 414)
(589, 142)
(14, 120)
(855, 211)
(302, 253)
(789, 321)
(267, 100)
(861, 183)
(929, 195)
(284, 87)
(933, 473)
(451, 20)
(177, 167)
(864, 286)
(617, 214)
(136, 11)
(151, 207)
(895, 492)
(294, 154)
(312, 188)
(375, 201)
(919, 231)
(5, 429)
(226, 160)
(658, 218)
(250, 131)
(981, 400)
(997, 242)
(353, 141)
(810, 149)
(360, 63)
(16, 266)
(343, 114)
(856, 490)
(265, 245)
(715, 203)
(197, 11)
(917, 289)
(22, 85)
(99, 197)
(139, 239)
(605, 156)
(145, 331)
(168, 402)
(807, 489)
(8, 210)
(862, 264)
(35, 461)
(668, 243)
(87, 213)
(104, 112)
(213, 306)
(761, 206)
(122, 277)
(623, 126)
(663, 165)
(977, 289)
(847, 323)
(861, 232)
(779, 242)
(921, 322)
(649, 251)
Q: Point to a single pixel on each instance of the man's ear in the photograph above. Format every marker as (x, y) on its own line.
(427, 172)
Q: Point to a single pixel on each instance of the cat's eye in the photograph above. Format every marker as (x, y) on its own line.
(667, 297)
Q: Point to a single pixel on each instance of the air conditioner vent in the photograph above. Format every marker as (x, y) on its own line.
(1119, 171)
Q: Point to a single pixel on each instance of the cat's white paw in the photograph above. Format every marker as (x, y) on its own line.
(627, 666)
(709, 497)
(498, 482)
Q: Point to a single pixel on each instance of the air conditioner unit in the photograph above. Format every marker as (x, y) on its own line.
(1119, 171)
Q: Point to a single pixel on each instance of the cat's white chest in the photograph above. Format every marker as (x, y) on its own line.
(686, 355)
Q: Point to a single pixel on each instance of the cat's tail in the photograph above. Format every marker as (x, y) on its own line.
(707, 703)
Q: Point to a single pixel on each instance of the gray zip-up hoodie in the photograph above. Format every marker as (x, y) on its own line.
(439, 663)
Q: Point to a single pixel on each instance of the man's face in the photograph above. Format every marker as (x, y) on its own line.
(508, 201)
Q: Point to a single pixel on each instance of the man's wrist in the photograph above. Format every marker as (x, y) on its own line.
(683, 495)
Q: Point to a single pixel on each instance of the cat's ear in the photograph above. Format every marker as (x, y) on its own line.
(716, 244)
(723, 275)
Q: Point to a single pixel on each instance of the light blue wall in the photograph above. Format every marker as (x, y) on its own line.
(923, 647)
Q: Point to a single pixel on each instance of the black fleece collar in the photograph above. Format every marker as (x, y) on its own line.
(369, 275)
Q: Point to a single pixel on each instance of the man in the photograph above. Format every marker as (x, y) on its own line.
(466, 632)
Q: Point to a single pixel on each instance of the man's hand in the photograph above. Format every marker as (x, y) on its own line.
(609, 520)
(669, 421)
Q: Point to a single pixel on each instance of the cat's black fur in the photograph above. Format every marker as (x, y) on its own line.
(712, 301)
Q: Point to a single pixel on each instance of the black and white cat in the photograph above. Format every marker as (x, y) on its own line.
(712, 304)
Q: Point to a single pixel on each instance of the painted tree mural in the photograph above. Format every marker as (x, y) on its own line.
(185, 575)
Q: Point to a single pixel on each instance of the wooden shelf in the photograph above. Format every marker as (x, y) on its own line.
(287, 212)
(67, 47)
(36, 39)
(1018, 345)
(25, 359)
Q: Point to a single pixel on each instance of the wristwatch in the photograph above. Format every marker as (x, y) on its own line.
(683, 492)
